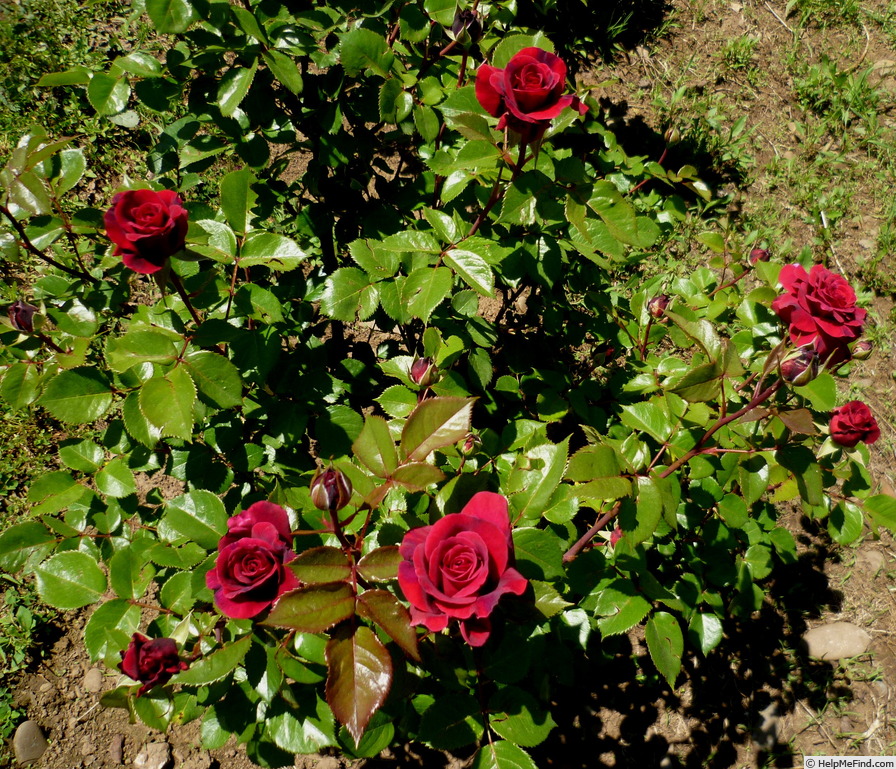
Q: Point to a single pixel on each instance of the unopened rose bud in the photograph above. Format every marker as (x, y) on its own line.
(672, 136)
(21, 315)
(862, 349)
(760, 255)
(466, 28)
(657, 306)
(424, 372)
(801, 367)
(330, 490)
(615, 535)
(470, 444)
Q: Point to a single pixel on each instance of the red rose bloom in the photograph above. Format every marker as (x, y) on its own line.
(819, 308)
(527, 94)
(250, 572)
(147, 227)
(459, 568)
(151, 662)
(853, 422)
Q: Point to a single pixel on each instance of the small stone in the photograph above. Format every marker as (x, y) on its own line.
(93, 680)
(156, 755)
(44, 688)
(836, 641)
(87, 748)
(872, 559)
(116, 749)
(29, 742)
(766, 732)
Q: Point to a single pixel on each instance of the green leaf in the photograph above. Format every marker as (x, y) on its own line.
(451, 722)
(198, 515)
(425, 289)
(548, 602)
(137, 425)
(322, 564)
(170, 16)
(177, 593)
(110, 628)
(416, 476)
(375, 448)
(23, 543)
(648, 417)
(441, 11)
(216, 378)
(380, 565)
(511, 45)
(167, 403)
(800, 460)
(139, 347)
(238, 199)
(359, 676)
(307, 730)
(434, 424)
(638, 520)
(313, 608)
(129, 574)
(347, 293)
(285, 70)
(397, 401)
(517, 717)
(705, 631)
(77, 396)
(213, 667)
(620, 607)
(270, 250)
(502, 755)
(140, 64)
(108, 95)
(362, 49)
(845, 523)
(881, 509)
(665, 644)
(19, 385)
(383, 608)
(234, 86)
(702, 332)
(75, 76)
(473, 270)
(539, 554)
(84, 456)
(70, 580)
(821, 392)
(116, 479)
(547, 465)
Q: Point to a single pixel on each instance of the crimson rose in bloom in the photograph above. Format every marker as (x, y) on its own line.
(853, 422)
(527, 94)
(459, 568)
(146, 227)
(250, 572)
(820, 308)
(151, 662)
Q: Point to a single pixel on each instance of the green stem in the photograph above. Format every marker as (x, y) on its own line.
(179, 287)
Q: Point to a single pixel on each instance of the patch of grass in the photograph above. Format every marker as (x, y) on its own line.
(738, 53)
(843, 99)
(826, 13)
(28, 444)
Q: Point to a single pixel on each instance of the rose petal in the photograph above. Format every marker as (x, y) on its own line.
(476, 630)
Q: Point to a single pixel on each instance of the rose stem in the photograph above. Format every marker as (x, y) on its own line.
(497, 193)
(570, 554)
(20, 230)
(236, 267)
(175, 279)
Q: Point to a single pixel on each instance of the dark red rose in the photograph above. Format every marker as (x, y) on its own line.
(151, 662)
(146, 227)
(21, 316)
(760, 255)
(250, 572)
(424, 372)
(240, 525)
(527, 94)
(853, 422)
(819, 308)
(658, 305)
(459, 568)
(800, 367)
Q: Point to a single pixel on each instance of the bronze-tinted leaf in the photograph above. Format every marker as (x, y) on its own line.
(313, 608)
(322, 564)
(798, 421)
(434, 424)
(380, 565)
(383, 608)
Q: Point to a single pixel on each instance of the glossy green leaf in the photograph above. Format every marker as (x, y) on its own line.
(213, 667)
(70, 580)
(140, 347)
(234, 86)
(538, 553)
(285, 70)
(313, 608)
(19, 386)
(167, 403)
(116, 479)
(361, 49)
(108, 95)
(23, 543)
(322, 564)
(129, 574)
(434, 424)
(620, 606)
(347, 293)
(547, 465)
(268, 249)
(198, 515)
(425, 289)
(380, 565)
(110, 628)
(238, 199)
(705, 631)
(78, 396)
(170, 16)
(416, 476)
(137, 425)
(500, 754)
(451, 722)
(359, 677)
(473, 270)
(665, 644)
(375, 448)
(517, 717)
(216, 378)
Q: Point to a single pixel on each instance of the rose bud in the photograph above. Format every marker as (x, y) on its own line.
(424, 372)
(460, 567)
(862, 349)
(151, 662)
(147, 227)
(760, 255)
(657, 306)
(672, 136)
(800, 367)
(330, 490)
(470, 444)
(466, 28)
(21, 316)
(615, 535)
(853, 422)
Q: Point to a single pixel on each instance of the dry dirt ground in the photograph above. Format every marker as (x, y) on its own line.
(759, 700)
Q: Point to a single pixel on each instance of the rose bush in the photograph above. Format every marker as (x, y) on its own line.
(819, 307)
(151, 662)
(147, 227)
(527, 94)
(459, 568)
(852, 423)
(250, 570)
